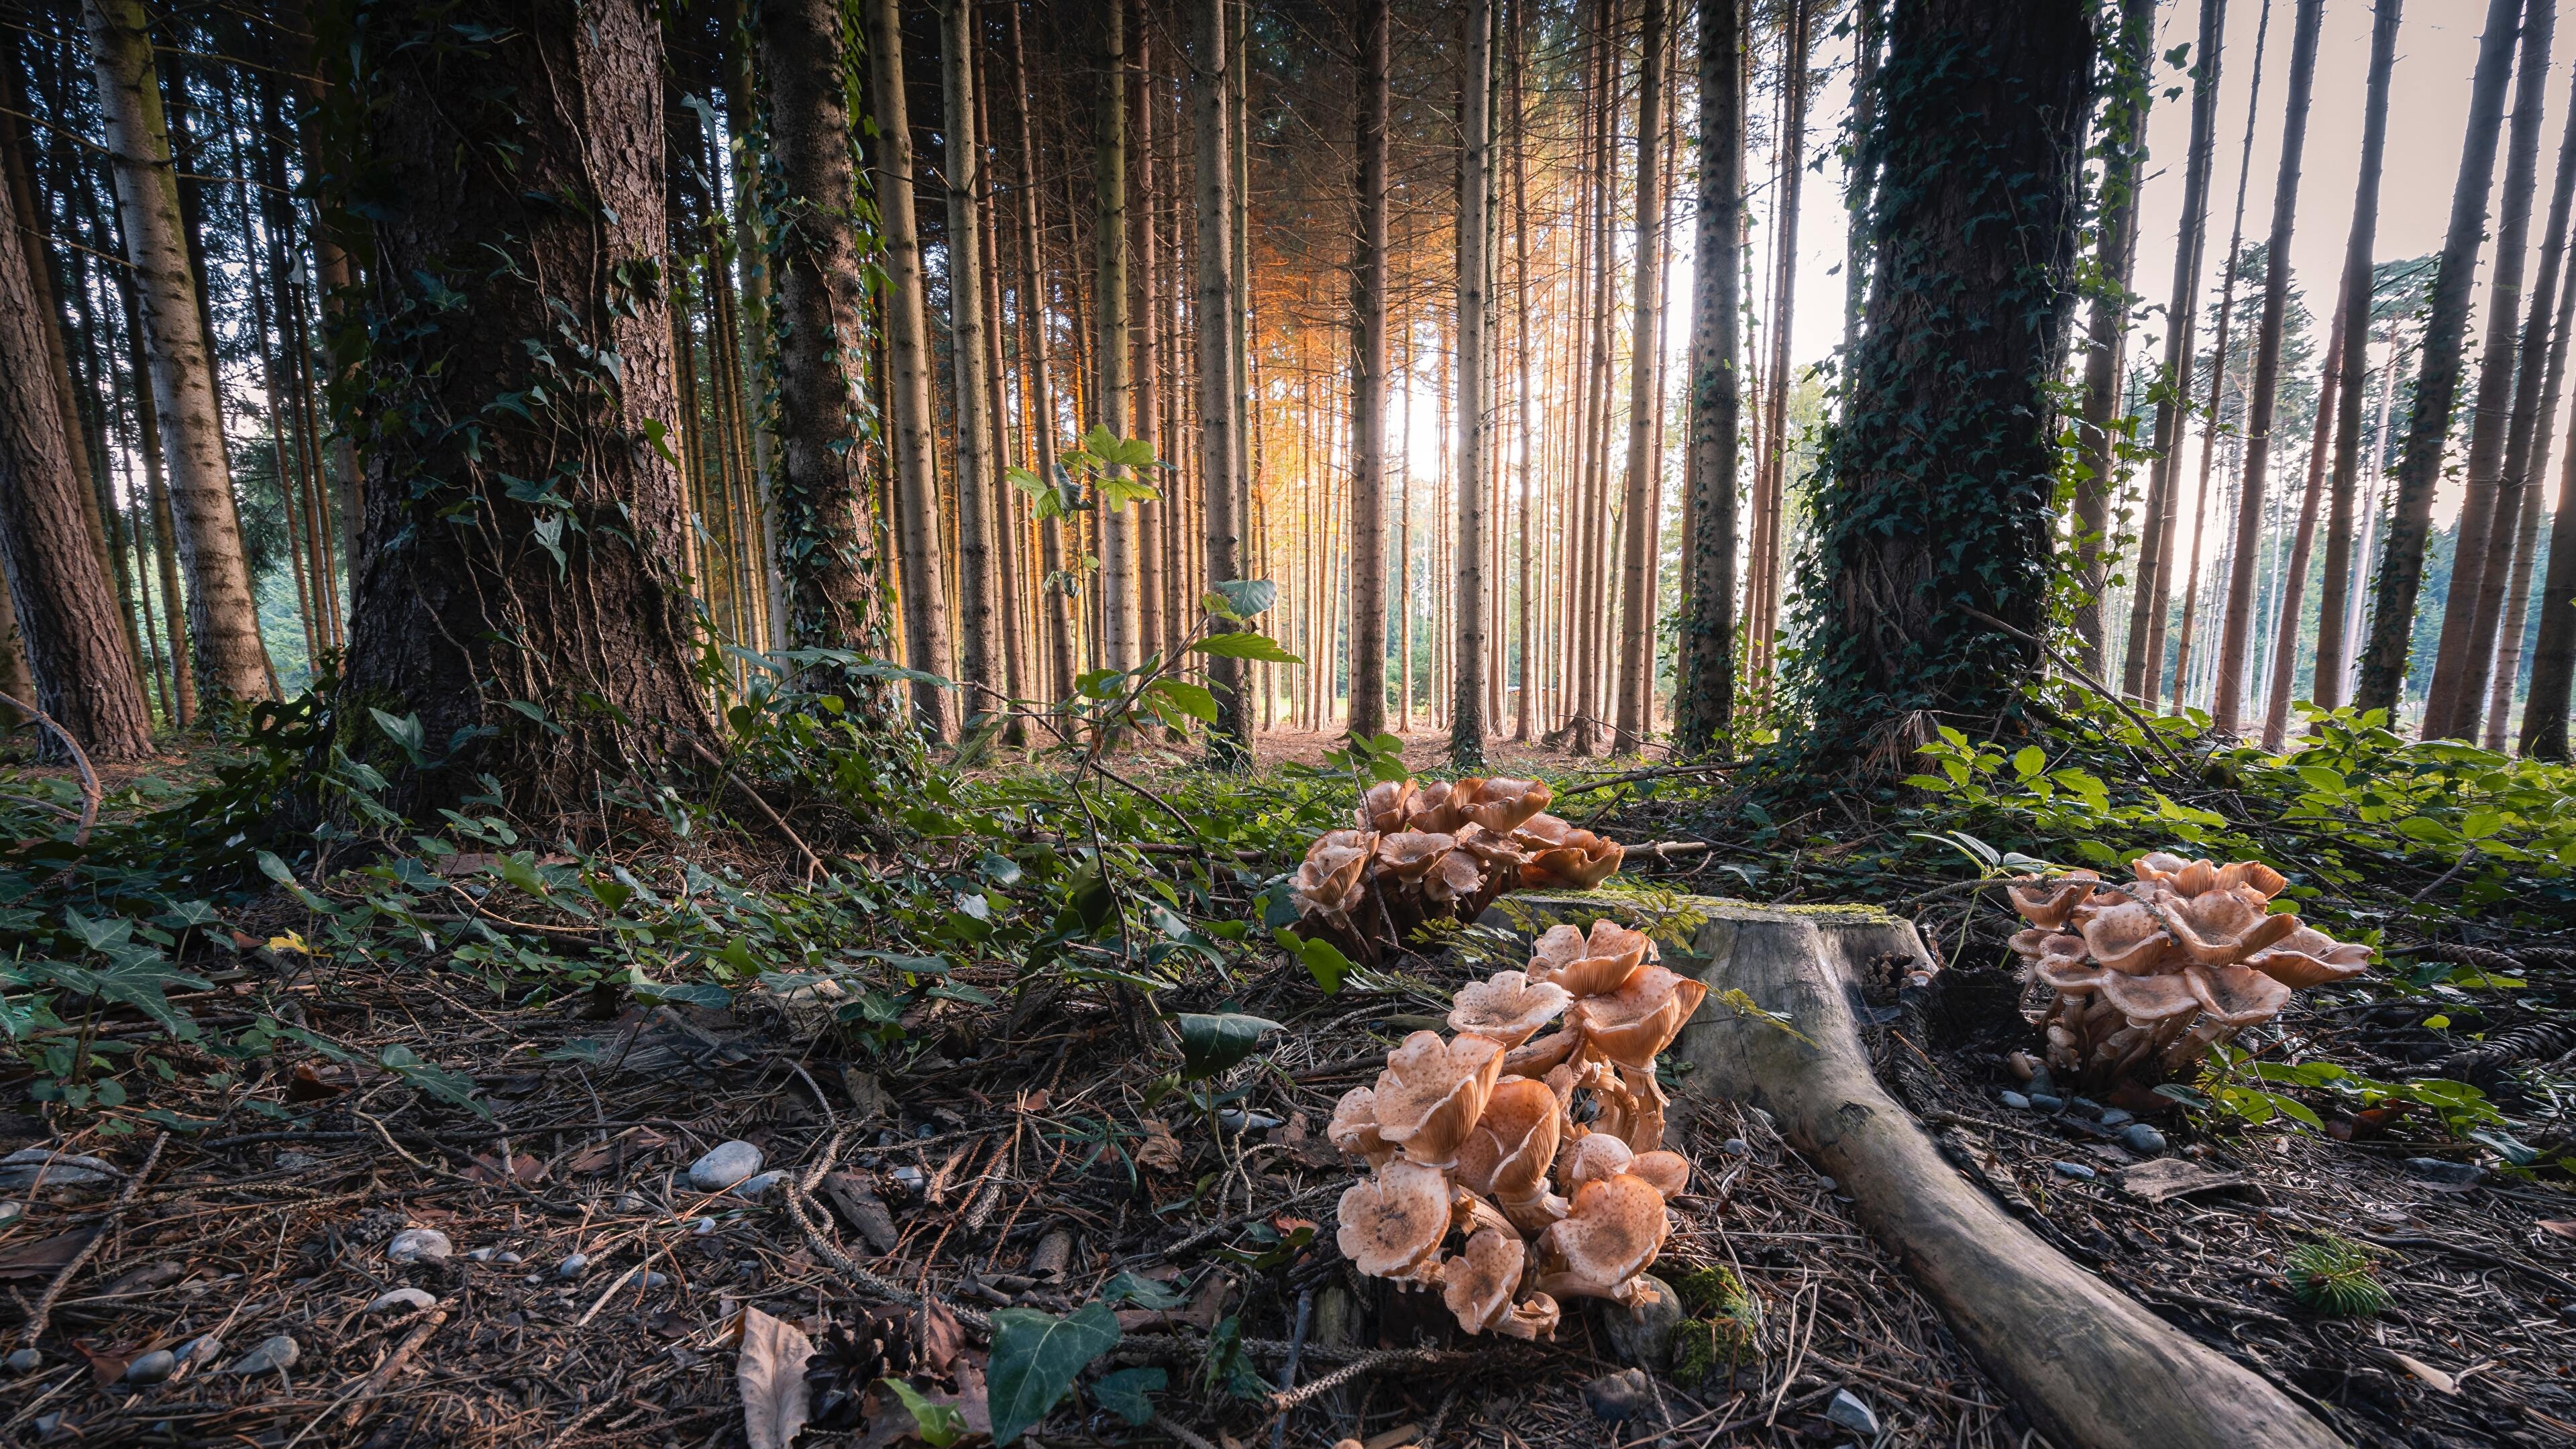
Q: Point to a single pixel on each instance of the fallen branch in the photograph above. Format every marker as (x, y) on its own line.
(393, 1364)
(91, 793)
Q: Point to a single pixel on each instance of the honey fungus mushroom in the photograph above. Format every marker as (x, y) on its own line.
(1603, 1246)
(1393, 1221)
(2145, 978)
(1432, 1092)
(1437, 851)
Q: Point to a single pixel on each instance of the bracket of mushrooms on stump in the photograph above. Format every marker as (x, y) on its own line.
(1478, 1134)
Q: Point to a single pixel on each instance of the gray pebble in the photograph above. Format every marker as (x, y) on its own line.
(24, 1361)
(10, 1211)
(755, 1188)
(2139, 1137)
(1827, 1183)
(1847, 1409)
(199, 1350)
(419, 1245)
(412, 1298)
(1620, 1396)
(481, 1255)
(633, 1202)
(2434, 1169)
(2042, 1102)
(724, 1165)
(505, 1257)
(2015, 1100)
(2076, 1170)
(152, 1367)
(703, 1226)
(907, 1179)
(2085, 1105)
(655, 1280)
(1735, 1147)
(574, 1266)
(47, 1423)
(270, 1356)
(2118, 1117)
(1235, 1119)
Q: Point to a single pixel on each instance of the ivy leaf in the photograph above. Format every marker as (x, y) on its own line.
(1322, 959)
(1036, 1357)
(1129, 1393)
(441, 1082)
(938, 1425)
(1214, 1041)
(1143, 1292)
(405, 731)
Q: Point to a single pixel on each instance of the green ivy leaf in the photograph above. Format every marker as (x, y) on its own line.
(1213, 1041)
(938, 1425)
(1036, 1357)
(1129, 1393)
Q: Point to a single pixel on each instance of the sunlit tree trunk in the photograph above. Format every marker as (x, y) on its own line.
(223, 617)
(1120, 642)
(1220, 392)
(1034, 310)
(1368, 384)
(1773, 483)
(1525, 399)
(2437, 385)
(2236, 628)
(1145, 382)
(1475, 418)
(1644, 534)
(2335, 594)
(1704, 713)
(2122, 147)
(977, 467)
(1009, 575)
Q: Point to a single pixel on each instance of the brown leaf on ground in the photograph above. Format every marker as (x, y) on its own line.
(943, 1339)
(640, 1142)
(526, 1168)
(857, 1203)
(2174, 1176)
(1160, 1151)
(45, 1256)
(771, 1375)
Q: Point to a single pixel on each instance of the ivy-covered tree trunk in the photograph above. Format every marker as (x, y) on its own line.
(520, 591)
(1705, 709)
(827, 528)
(1933, 554)
(2123, 149)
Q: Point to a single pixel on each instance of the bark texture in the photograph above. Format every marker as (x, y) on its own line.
(1219, 314)
(2123, 148)
(521, 539)
(1475, 439)
(1705, 710)
(978, 646)
(1642, 509)
(1368, 386)
(1121, 643)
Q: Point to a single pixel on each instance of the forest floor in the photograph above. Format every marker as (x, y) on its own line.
(1027, 1152)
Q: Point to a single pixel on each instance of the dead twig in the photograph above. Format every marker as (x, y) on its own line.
(91, 793)
(44, 1312)
(393, 1364)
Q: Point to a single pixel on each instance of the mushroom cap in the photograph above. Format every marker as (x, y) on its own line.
(1611, 1235)
(2237, 995)
(2252, 875)
(1502, 805)
(1508, 1152)
(1354, 1128)
(2046, 902)
(1509, 1007)
(1538, 1057)
(2038, 945)
(1533, 1317)
(1334, 873)
(2157, 866)
(1442, 805)
(1579, 860)
(1593, 1157)
(1412, 854)
(1478, 1284)
(1383, 806)
(1456, 876)
(1590, 966)
(1666, 1172)
(1630, 1025)
(2309, 957)
(1392, 1221)
(1432, 1092)
(2127, 938)
(2220, 928)
(2073, 975)
(2148, 998)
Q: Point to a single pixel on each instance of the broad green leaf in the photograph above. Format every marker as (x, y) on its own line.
(1214, 1041)
(1187, 698)
(441, 1082)
(1129, 1393)
(1143, 1292)
(405, 731)
(2030, 761)
(1249, 598)
(1258, 647)
(1036, 1357)
(1323, 960)
(938, 1425)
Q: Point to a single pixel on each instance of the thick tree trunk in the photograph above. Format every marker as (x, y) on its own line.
(2236, 628)
(914, 430)
(1220, 391)
(978, 646)
(2455, 690)
(223, 617)
(1368, 385)
(2142, 675)
(1936, 504)
(1120, 640)
(827, 532)
(1525, 397)
(1642, 507)
(2437, 385)
(1705, 711)
(2333, 600)
(1033, 322)
(1145, 383)
(2123, 149)
(64, 607)
(1475, 417)
(482, 594)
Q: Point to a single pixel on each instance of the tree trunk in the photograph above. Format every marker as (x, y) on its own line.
(482, 594)
(64, 607)
(1773, 481)
(978, 647)
(1869, 21)
(1642, 507)
(1008, 573)
(1120, 640)
(2333, 601)
(1475, 419)
(2142, 675)
(1368, 385)
(914, 429)
(827, 532)
(1525, 398)
(752, 264)
(1936, 502)
(1033, 321)
(2123, 148)
(1705, 712)
(156, 492)
(2236, 626)
(2294, 578)
(2437, 385)
(1144, 380)
(223, 616)
(1220, 391)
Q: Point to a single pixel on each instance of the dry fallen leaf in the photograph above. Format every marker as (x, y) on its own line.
(2441, 1382)
(2563, 1227)
(943, 1339)
(775, 1396)
(1161, 1150)
(46, 1256)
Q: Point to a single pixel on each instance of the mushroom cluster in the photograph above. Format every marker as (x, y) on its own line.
(2150, 975)
(1439, 851)
(1478, 1136)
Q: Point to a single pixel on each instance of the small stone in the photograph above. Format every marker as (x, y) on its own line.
(1643, 1336)
(1624, 1395)
(2118, 1117)
(2076, 1170)
(2140, 1138)
(655, 1280)
(2085, 1105)
(24, 1361)
(201, 1349)
(2434, 1169)
(633, 1202)
(1827, 1183)
(481, 1255)
(574, 1266)
(45, 1424)
(2043, 1102)
(1235, 1119)
(1846, 1409)
(419, 1245)
(724, 1165)
(291, 1159)
(271, 1356)
(701, 1227)
(11, 1211)
(29, 1166)
(2014, 1100)
(505, 1258)
(412, 1298)
(2041, 1084)
(152, 1367)
(755, 1188)
(1735, 1147)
